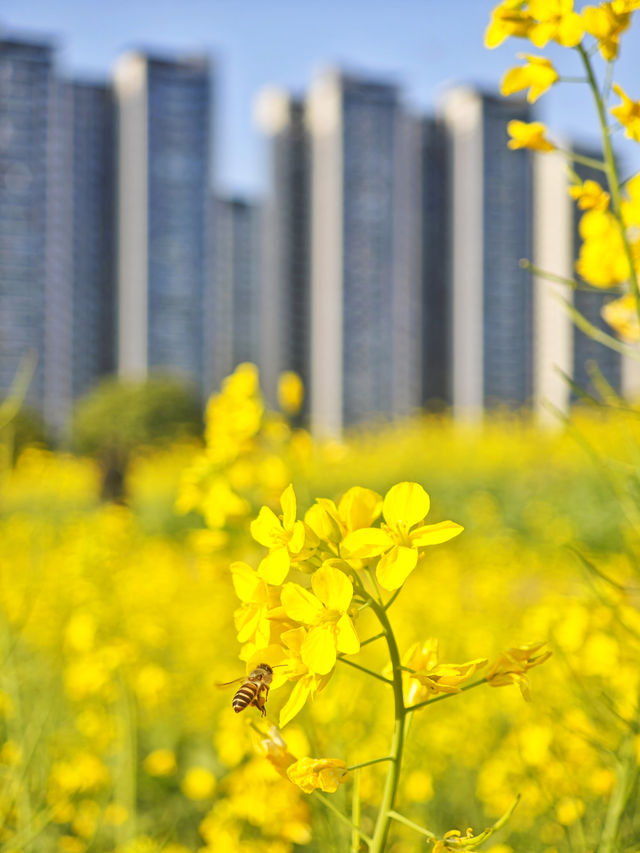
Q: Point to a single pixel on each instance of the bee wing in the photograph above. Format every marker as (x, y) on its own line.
(229, 683)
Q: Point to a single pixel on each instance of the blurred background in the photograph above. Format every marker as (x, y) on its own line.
(322, 190)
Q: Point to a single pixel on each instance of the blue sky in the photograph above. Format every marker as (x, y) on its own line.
(421, 44)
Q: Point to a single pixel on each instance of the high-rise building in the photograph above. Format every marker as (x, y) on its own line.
(237, 315)
(434, 265)
(34, 252)
(365, 303)
(163, 139)
(285, 252)
(562, 351)
(491, 222)
(92, 187)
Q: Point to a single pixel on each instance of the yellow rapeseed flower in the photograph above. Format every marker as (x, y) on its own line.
(323, 773)
(401, 537)
(325, 612)
(160, 762)
(290, 392)
(622, 316)
(590, 196)
(631, 206)
(198, 783)
(509, 18)
(538, 75)
(602, 260)
(555, 19)
(511, 666)
(605, 23)
(529, 135)
(435, 677)
(628, 114)
(285, 538)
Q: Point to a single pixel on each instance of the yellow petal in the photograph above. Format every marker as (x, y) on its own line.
(359, 507)
(295, 702)
(347, 640)
(275, 566)
(319, 649)
(323, 523)
(245, 580)
(332, 587)
(434, 534)
(406, 504)
(395, 567)
(266, 528)
(299, 603)
(288, 504)
(366, 542)
(296, 543)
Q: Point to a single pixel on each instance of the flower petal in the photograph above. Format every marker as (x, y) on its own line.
(366, 542)
(295, 702)
(396, 566)
(266, 528)
(319, 649)
(296, 543)
(434, 534)
(359, 507)
(245, 580)
(288, 504)
(406, 504)
(332, 587)
(299, 603)
(347, 640)
(275, 566)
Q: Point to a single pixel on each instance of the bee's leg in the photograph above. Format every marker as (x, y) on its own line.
(261, 700)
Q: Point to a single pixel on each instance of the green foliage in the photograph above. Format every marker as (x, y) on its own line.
(119, 416)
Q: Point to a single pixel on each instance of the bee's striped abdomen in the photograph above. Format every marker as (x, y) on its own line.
(245, 696)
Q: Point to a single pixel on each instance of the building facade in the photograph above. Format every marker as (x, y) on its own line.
(365, 293)
(491, 215)
(285, 244)
(163, 176)
(237, 315)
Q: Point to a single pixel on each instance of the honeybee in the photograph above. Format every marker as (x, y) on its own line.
(253, 690)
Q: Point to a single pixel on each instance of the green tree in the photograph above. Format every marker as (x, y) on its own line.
(119, 416)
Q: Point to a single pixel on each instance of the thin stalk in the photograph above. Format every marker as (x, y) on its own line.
(397, 742)
(585, 161)
(364, 669)
(327, 802)
(405, 820)
(612, 173)
(355, 814)
(367, 763)
(371, 639)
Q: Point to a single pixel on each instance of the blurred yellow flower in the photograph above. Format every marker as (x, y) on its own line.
(508, 19)
(160, 762)
(631, 206)
(605, 23)
(398, 541)
(511, 666)
(590, 195)
(251, 618)
(276, 751)
(290, 392)
(555, 19)
(529, 135)
(602, 260)
(628, 114)
(325, 611)
(198, 783)
(538, 75)
(325, 774)
(622, 315)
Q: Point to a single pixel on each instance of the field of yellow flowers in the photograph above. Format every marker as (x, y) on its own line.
(119, 622)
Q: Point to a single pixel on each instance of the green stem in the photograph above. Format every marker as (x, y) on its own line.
(367, 763)
(612, 173)
(355, 814)
(397, 742)
(327, 802)
(364, 669)
(371, 639)
(586, 161)
(402, 819)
